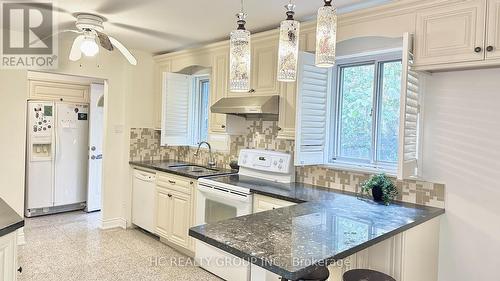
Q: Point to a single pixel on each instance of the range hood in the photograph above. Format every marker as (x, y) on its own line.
(263, 107)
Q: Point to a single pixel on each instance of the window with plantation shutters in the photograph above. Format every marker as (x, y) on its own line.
(313, 92)
(409, 116)
(176, 109)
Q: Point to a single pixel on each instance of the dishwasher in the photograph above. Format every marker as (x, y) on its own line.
(143, 196)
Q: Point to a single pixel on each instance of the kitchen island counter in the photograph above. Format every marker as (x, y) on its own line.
(329, 226)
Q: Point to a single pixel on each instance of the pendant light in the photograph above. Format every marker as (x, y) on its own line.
(239, 56)
(326, 35)
(288, 46)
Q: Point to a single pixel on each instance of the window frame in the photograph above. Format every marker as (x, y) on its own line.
(334, 159)
(196, 101)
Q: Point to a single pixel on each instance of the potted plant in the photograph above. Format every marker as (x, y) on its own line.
(382, 188)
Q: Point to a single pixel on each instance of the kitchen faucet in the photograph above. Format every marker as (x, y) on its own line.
(211, 161)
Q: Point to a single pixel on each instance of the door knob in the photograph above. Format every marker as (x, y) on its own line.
(478, 49)
(489, 48)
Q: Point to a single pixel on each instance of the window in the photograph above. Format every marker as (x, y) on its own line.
(201, 107)
(366, 116)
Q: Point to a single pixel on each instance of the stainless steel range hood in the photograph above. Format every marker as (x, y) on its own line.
(264, 107)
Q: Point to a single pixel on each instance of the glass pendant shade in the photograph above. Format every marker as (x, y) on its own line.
(288, 51)
(326, 35)
(239, 57)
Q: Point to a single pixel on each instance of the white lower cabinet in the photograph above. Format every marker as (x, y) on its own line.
(174, 208)
(8, 257)
(263, 203)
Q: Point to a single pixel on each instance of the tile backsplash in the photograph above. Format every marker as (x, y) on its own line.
(145, 146)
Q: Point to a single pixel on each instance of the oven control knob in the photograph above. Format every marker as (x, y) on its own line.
(280, 166)
(275, 163)
(244, 161)
(281, 160)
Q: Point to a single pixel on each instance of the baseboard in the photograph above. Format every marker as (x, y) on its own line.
(21, 240)
(113, 223)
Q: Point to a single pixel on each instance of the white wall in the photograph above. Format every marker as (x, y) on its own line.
(128, 103)
(462, 150)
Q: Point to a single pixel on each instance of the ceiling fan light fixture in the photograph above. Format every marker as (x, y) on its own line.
(288, 51)
(326, 35)
(89, 47)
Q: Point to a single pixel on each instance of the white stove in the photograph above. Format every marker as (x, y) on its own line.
(224, 197)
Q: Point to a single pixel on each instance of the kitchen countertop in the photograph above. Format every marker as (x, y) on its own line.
(330, 225)
(167, 167)
(9, 220)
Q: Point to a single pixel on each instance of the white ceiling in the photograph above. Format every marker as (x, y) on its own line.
(159, 26)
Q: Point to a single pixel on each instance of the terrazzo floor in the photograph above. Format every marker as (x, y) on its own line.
(70, 246)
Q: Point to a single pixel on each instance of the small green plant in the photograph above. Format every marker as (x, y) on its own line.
(382, 187)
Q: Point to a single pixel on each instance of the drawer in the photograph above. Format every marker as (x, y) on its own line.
(265, 203)
(174, 182)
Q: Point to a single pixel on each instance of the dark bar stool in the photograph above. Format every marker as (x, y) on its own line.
(366, 275)
(320, 274)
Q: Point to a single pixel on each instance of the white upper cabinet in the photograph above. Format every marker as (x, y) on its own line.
(264, 66)
(220, 76)
(451, 33)
(493, 30)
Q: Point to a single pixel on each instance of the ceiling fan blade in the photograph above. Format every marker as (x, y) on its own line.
(104, 40)
(126, 53)
(75, 53)
(52, 35)
(117, 6)
(152, 32)
(50, 6)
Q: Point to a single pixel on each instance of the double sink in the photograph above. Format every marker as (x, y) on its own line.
(193, 169)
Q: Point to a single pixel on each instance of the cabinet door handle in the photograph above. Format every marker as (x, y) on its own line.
(252, 91)
(20, 269)
(171, 181)
(489, 48)
(223, 126)
(279, 128)
(169, 195)
(478, 49)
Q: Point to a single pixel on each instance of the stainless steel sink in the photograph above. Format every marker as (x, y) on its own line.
(193, 169)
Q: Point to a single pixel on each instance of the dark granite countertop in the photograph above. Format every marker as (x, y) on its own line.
(167, 167)
(329, 226)
(9, 220)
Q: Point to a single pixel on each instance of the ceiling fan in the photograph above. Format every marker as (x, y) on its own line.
(91, 32)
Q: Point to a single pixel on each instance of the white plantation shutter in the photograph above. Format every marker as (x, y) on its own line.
(313, 98)
(409, 115)
(175, 109)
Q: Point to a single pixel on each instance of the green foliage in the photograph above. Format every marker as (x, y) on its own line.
(356, 126)
(389, 190)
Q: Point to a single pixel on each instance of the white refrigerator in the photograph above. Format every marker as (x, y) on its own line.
(57, 157)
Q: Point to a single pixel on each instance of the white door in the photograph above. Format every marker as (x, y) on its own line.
(95, 144)
(71, 156)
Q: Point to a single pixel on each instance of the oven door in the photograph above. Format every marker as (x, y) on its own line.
(214, 204)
